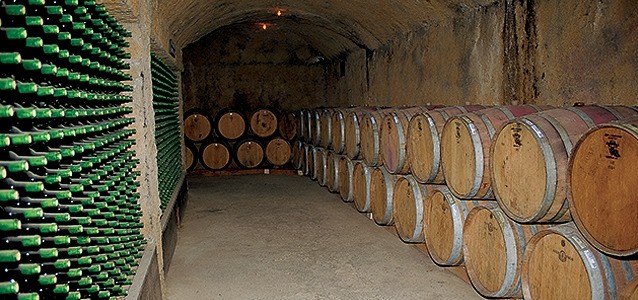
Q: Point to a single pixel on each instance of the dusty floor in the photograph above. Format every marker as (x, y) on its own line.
(285, 237)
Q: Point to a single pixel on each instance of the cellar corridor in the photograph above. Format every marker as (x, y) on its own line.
(285, 237)
(155, 149)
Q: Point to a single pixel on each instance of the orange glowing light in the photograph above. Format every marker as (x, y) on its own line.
(279, 13)
(264, 26)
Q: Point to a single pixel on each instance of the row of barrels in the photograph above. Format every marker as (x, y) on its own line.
(530, 147)
(505, 257)
(232, 125)
(216, 155)
(233, 141)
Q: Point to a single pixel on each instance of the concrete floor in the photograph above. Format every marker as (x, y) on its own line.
(285, 237)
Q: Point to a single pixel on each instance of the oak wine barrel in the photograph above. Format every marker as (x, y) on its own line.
(531, 155)
(215, 155)
(602, 180)
(315, 127)
(493, 248)
(309, 162)
(465, 148)
(304, 125)
(190, 156)
(231, 125)
(288, 124)
(560, 264)
(361, 177)
(332, 171)
(393, 139)
(320, 157)
(197, 126)
(249, 154)
(325, 119)
(314, 157)
(278, 152)
(297, 156)
(353, 132)
(408, 199)
(381, 193)
(263, 123)
(444, 216)
(370, 128)
(424, 142)
(346, 175)
(338, 130)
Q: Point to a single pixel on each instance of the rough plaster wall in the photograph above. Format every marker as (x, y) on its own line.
(245, 68)
(587, 51)
(124, 10)
(340, 90)
(452, 62)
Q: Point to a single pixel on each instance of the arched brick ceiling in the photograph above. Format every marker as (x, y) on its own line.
(331, 26)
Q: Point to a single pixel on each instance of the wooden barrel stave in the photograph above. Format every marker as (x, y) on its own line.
(424, 142)
(370, 127)
(560, 264)
(531, 155)
(338, 130)
(361, 179)
(393, 139)
(465, 144)
(288, 125)
(315, 131)
(381, 195)
(197, 126)
(493, 247)
(320, 165)
(278, 152)
(309, 162)
(231, 125)
(309, 126)
(630, 292)
(215, 155)
(332, 171)
(301, 125)
(408, 199)
(297, 155)
(249, 154)
(444, 216)
(346, 175)
(263, 123)
(609, 152)
(325, 140)
(353, 132)
(190, 156)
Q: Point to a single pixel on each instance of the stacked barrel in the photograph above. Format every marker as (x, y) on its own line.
(237, 140)
(167, 131)
(70, 218)
(493, 189)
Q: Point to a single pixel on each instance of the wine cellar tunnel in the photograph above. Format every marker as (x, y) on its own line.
(494, 140)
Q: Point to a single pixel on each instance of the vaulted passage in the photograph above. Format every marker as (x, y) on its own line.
(157, 149)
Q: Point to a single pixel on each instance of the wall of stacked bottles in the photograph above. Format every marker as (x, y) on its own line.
(167, 133)
(69, 223)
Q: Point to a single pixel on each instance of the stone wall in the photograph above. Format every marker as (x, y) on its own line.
(500, 53)
(586, 51)
(452, 62)
(245, 67)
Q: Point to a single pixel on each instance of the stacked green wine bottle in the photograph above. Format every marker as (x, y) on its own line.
(69, 218)
(167, 134)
